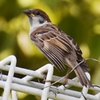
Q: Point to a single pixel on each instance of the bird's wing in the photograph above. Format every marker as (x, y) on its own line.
(55, 45)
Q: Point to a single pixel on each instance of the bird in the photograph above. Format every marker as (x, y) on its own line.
(57, 46)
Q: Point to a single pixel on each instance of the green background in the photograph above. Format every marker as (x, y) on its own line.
(78, 18)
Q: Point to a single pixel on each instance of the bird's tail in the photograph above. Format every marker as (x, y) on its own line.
(82, 77)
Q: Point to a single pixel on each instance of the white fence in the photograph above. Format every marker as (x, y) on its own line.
(45, 90)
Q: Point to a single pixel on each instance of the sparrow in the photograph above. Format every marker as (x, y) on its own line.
(59, 48)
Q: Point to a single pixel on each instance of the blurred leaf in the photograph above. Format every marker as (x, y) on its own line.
(94, 46)
(10, 9)
(52, 4)
(6, 41)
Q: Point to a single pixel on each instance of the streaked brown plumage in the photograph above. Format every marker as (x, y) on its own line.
(57, 46)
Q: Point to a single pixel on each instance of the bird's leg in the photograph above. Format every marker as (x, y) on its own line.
(45, 75)
(44, 79)
(66, 77)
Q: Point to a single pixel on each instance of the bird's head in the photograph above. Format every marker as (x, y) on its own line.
(37, 16)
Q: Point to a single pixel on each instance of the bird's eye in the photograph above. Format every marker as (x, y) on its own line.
(37, 13)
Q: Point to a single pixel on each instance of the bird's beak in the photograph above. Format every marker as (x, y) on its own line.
(28, 13)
